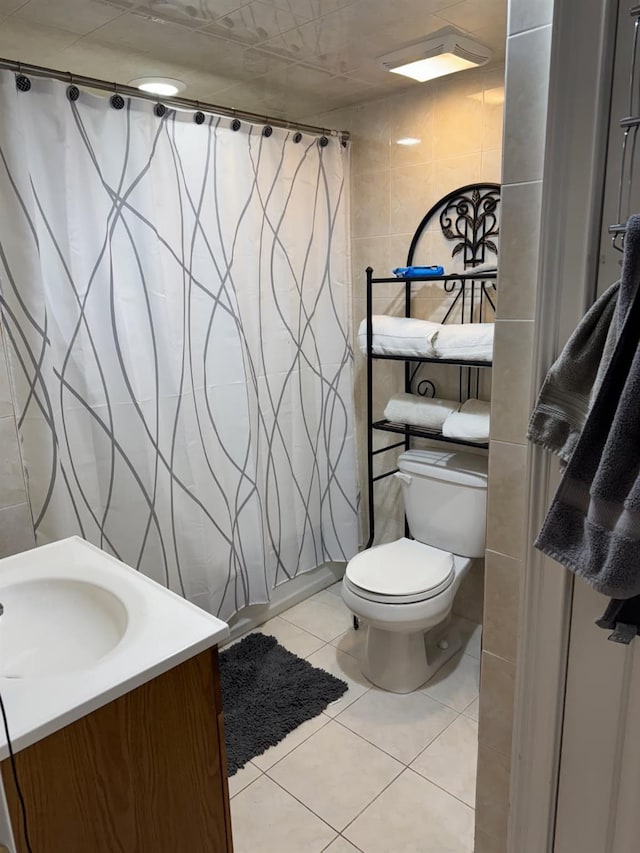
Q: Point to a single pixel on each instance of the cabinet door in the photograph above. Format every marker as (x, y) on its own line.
(144, 774)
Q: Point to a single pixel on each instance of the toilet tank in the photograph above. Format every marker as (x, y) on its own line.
(445, 499)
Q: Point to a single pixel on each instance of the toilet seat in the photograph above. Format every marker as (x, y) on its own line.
(400, 572)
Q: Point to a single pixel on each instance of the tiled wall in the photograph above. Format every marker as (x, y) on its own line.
(16, 528)
(458, 121)
(527, 73)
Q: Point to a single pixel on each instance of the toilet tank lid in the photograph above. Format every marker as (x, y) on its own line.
(466, 469)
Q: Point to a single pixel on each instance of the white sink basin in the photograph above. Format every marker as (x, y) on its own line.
(81, 629)
(57, 625)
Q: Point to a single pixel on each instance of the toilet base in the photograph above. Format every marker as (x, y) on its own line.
(402, 662)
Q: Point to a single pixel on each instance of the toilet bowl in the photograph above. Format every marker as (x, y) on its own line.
(403, 592)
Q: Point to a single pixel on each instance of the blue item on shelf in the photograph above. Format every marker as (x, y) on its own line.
(417, 272)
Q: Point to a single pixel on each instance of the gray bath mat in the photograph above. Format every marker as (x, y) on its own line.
(268, 692)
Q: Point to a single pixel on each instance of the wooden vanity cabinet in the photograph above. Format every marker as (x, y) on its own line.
(144, 774)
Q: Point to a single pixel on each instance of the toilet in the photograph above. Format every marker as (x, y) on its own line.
(402, 592)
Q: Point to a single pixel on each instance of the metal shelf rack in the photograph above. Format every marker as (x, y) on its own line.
(469, 217)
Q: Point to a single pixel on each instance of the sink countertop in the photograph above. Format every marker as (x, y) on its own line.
(162, 630)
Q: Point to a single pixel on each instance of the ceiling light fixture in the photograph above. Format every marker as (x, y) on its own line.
(165, 86)
(436, 57)
(408, 140)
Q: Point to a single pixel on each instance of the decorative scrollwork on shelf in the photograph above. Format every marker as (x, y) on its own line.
(425, 387)
(471, 218)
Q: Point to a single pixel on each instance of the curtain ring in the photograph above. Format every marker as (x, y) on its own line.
(23, 84)
(116, 100)
(73, 93)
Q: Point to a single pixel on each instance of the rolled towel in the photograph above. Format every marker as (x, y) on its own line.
(464, 341)
(398, 336)
(424, 412)
(471, 423)
(491, 267)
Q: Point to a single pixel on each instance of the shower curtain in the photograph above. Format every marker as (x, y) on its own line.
(175, 312)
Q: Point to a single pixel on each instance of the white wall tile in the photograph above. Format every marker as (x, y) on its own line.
(527, 14)
(519, 245)
(510, 402)
(12, 490)
(6, 404)
(526, 105)
(16, 530)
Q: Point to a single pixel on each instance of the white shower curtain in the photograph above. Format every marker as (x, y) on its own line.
(175, 310)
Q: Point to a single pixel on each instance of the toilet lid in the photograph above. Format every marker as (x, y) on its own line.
(402, 568)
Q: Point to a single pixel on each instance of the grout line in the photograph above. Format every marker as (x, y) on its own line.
(330, 843)
(340, 835)
(395, 757)
(375, 745)
(351, 822)
(307, 807)
(244, 788)
(444, 790)
(293, 748)
(293, 797)
(528, 30)
(470, 704)
(359, 849)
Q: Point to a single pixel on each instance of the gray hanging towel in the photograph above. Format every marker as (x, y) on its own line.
(573, 380)
(593, 524)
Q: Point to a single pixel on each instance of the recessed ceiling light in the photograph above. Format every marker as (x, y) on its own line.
(408, 140)
(436, 57)
(166, 86)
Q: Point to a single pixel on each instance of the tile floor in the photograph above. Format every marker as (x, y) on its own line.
(376, 772)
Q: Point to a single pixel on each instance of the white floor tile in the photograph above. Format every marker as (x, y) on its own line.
(472, 710)
(335, 773)
(242, 778)
(451, 760)
(336, 589)
(400, 724)
(347, 668)
(457, 683)
(265, 819)
(352, 642)
(300, 642)
(324, 615)
(341, 845)
(292, 740)
(471, 634)
(413, 816)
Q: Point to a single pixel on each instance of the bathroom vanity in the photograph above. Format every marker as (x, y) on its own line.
(118, 740)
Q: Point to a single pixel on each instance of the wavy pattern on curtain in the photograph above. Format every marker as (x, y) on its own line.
(175, 307)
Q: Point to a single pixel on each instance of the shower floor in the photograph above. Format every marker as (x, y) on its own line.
(376, 772)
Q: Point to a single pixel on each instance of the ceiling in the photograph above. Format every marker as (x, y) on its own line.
(290, 58)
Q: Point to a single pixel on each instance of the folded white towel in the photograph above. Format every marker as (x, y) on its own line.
(424, 412)
(398, 336)
(464, 341)
(471, 423)
(490, 267)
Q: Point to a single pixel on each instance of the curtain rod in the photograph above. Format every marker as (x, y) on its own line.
(186, 103)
